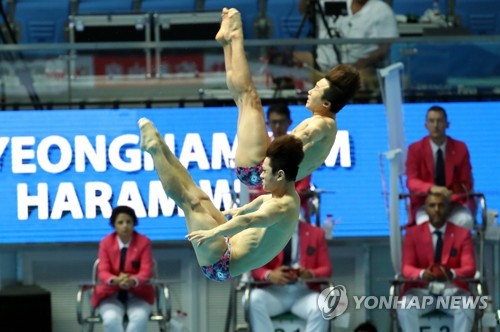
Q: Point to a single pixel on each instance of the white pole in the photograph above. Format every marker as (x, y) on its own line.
(394, 227)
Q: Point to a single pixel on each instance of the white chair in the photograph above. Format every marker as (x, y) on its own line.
(477, 285)
(88, 316)
(286, 321)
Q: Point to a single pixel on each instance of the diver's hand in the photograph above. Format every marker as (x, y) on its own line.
(201, 236)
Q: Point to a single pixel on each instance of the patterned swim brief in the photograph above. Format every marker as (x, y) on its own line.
(250, 176)
(219, 271)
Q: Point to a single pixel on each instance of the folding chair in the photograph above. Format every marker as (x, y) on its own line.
(285, 321)
(477, 284)
(88, 316)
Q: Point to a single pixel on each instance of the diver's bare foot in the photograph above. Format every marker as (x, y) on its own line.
(150, 138)
(235, 29)
(221, 34)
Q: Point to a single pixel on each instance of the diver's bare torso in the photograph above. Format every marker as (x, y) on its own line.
(254, 247)
(315, 153)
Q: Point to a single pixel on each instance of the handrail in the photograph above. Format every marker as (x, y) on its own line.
(122, 103)
(199, 44)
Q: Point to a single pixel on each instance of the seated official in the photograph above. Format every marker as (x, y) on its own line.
(305, 257)
(440, 164)
(124, 270)
(437, 252)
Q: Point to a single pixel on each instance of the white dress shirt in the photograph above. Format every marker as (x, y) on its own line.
(435, 148)
(375, 20)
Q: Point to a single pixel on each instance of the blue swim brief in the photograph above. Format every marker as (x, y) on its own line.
(250, 176)
(219, 271)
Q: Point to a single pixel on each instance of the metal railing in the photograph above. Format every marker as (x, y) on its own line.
(83, 75)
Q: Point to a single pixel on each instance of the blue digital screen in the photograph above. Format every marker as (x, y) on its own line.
(63, 171)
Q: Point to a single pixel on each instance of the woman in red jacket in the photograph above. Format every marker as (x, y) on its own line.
(125, 268)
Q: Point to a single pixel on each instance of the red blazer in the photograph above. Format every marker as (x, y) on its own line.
(420, 171)
(303, 185)
(418, 253)
(313, 255)
(138, 263)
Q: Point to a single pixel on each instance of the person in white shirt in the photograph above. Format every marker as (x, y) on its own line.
(365, 19)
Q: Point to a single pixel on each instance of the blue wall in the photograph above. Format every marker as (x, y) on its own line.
(38, 150)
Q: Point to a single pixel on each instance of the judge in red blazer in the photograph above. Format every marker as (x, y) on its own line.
(309, 255)
(124, 282)
(421, 171)
(421, 260)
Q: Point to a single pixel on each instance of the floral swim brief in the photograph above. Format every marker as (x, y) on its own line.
(219, 271)
(250, 176)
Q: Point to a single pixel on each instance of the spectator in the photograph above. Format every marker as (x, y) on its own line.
(438, 253)
(449, 175)
(365, 19)
(125, 267)
(305, 257)
(279, 120)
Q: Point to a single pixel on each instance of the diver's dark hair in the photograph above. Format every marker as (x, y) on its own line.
(343, 81)
(286, 154)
